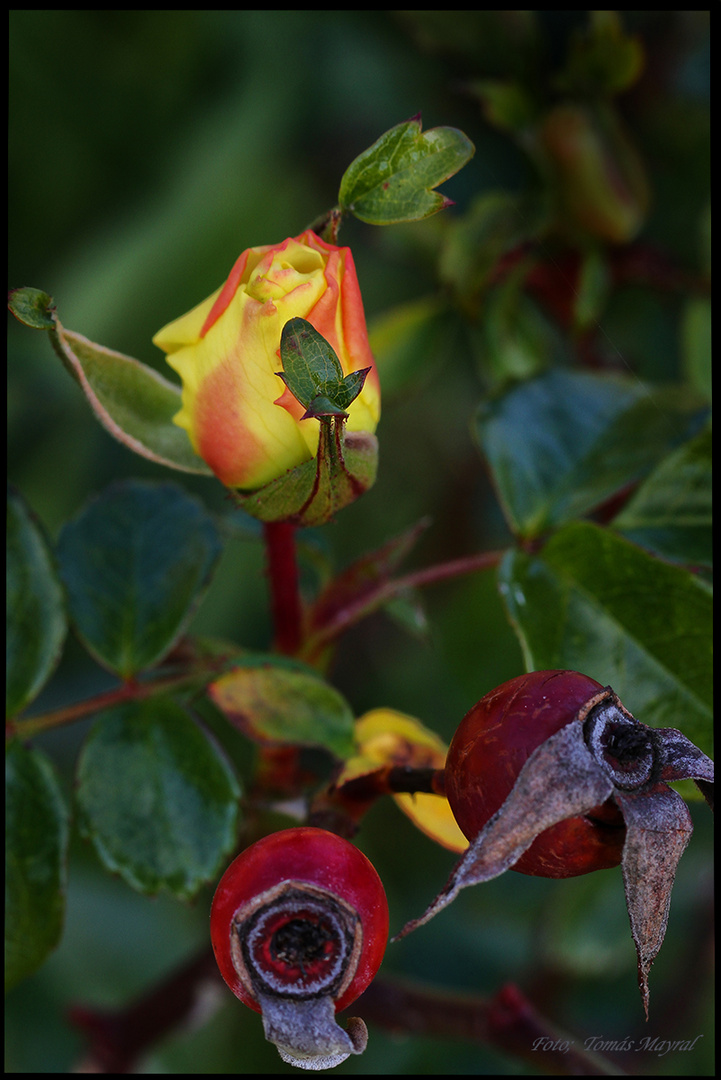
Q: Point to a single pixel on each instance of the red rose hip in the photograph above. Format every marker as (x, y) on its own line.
(551, 775)
(299, 925)
(490, 747)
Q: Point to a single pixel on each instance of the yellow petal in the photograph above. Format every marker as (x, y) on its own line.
(385, 738)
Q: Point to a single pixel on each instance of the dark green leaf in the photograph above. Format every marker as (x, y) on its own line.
(593, 602)
(591, 291)
(323, 406)
(406, 609)
(135, 563)
(514, 340)
(278, 702)
(561, 444)
(32, 307)
(671, 511)
(36, 836)
(313, 373)
(393, 180)
(309, 361)
(156, 797)
(36, 622)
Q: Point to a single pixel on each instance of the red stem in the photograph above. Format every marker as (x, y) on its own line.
(27, 727)
(285, 600)
(356, 609)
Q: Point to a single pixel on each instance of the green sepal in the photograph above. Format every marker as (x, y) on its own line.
(312, 493)
(393, 180)
(132, 401)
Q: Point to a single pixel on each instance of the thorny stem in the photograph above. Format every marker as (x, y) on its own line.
(282, 569)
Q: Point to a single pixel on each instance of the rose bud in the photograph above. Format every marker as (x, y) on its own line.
(238, 415)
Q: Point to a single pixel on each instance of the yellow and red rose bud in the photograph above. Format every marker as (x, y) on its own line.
(239, 417)
(597, 179)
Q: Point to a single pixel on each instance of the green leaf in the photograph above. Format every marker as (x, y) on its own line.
(36, 837)
(313, 373)
(393, 180)
(561, 444)
(406, 609)
(593, 602)
(36, 622)
(135, 563)
(156, 797)
(279, 701)
(670, 513)
(131, 400)
(33, 307)
(591, 291)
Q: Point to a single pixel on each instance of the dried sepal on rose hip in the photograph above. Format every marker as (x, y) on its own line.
(299, 925)
(550, 775)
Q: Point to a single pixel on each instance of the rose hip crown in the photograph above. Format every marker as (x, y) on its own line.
(299, 925)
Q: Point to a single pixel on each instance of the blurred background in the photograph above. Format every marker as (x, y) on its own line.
(147, 149)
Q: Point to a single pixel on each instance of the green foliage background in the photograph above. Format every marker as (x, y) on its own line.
(147, 149)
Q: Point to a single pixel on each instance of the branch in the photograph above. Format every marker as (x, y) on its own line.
(127, 691)
(383, 590)
(507, 1021)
